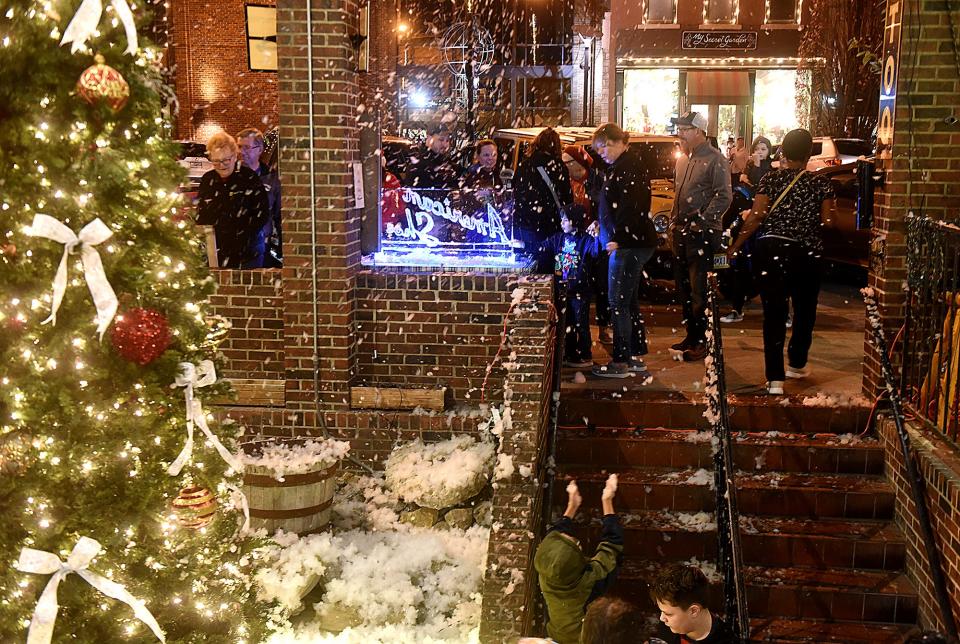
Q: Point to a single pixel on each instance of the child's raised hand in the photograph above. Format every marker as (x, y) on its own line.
(610, 489)
(573, 495)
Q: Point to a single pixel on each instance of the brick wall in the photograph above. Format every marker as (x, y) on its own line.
(214, 84)
(940, 467)
(436, 329)
(923, 174)
(253, 303)
(510, 587)
(379, 84)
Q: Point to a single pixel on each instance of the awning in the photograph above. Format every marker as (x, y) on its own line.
(725, 88)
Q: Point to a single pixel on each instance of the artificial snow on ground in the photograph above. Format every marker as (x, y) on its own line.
(374, 578)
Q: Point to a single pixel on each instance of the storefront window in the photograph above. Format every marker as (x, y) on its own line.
(774, 89)
(650, 98)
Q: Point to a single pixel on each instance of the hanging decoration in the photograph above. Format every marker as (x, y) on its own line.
(201, 375)
(101, 83)
(85, 22)
(141, 335)
(90, 235)
(195, 507)
(46, 563)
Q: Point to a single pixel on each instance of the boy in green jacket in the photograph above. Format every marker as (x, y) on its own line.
(569, 581)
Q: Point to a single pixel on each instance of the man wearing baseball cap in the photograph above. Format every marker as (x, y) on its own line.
(702, 196)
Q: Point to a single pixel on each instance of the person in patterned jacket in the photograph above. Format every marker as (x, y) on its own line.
(789, 210)
(572, 255)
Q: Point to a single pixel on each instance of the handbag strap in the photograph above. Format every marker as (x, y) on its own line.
(784, 193)
(546, 179)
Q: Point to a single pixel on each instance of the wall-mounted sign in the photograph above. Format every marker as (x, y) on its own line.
(424, 222)
(741, 40)
(888, 80)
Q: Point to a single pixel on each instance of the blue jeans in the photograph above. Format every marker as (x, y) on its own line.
(578, 342)
(623, 277)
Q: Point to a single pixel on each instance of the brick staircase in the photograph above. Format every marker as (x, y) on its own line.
(823, 559)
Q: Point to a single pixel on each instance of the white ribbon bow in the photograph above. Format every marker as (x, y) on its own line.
(85, 22)
(47, 563)
(90, 235)
(238, 497)
(198, 376)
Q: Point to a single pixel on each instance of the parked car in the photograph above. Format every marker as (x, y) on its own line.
(829, 151)
(658, 152)
(846, 240)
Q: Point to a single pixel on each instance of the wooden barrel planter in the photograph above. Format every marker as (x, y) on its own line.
(299, 503)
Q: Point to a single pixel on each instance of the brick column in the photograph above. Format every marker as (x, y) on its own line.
(331, 218)
(510, 587)
(920, 94)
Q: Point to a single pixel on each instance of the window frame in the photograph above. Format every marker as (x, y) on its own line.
(797, 5)
(646, 14)
(262, 39)
(734, 18)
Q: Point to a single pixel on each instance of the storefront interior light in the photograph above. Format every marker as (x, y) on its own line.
(419, 98)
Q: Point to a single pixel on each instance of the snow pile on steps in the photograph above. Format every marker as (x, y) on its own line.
(380, 576)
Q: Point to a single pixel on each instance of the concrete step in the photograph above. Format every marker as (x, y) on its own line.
(629, 408)
(799, 593)
(766, 541)
(618, 449)
(799, 495)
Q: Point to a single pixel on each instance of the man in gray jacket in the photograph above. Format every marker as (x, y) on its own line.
(703, 194)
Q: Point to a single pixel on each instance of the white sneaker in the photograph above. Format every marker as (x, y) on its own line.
(797, 372)
(732, 316)
(775, 387)
(789, 324)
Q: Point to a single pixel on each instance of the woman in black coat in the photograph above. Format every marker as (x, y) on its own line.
(536, 211)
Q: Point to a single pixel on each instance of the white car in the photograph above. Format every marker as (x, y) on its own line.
(828, 151)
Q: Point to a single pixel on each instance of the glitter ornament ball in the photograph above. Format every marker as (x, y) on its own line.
(141, 335)
(102, 83)
(195, 507)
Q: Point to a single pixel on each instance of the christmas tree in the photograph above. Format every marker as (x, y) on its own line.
(104, 334)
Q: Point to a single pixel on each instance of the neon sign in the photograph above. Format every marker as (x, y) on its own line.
(446, 227)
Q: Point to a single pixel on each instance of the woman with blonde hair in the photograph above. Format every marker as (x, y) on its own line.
(233, 200)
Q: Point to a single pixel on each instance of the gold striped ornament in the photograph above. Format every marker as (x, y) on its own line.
(195, 507)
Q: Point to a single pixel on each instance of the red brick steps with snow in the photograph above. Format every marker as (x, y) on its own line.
(827, 453)
(852, 496)
(772, 541)
(802, 593)
(823, 558)
(641, 408)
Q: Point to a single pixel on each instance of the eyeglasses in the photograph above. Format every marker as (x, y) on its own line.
(255, 146)
(225, 160)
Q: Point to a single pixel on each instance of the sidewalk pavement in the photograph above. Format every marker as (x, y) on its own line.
(836, 355)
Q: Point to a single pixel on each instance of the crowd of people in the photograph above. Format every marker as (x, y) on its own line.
(585, 217)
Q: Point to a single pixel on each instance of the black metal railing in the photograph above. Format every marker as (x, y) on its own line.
(930, 375)
(729, 554)
(913, 474)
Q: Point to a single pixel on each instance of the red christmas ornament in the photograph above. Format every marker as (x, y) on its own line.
(141, 335)
(102, 83)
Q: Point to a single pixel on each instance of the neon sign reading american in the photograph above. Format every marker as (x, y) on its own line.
(420, 212)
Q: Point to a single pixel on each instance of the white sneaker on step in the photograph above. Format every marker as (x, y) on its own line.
(732, 316)
(797, 372)
(775, 387)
